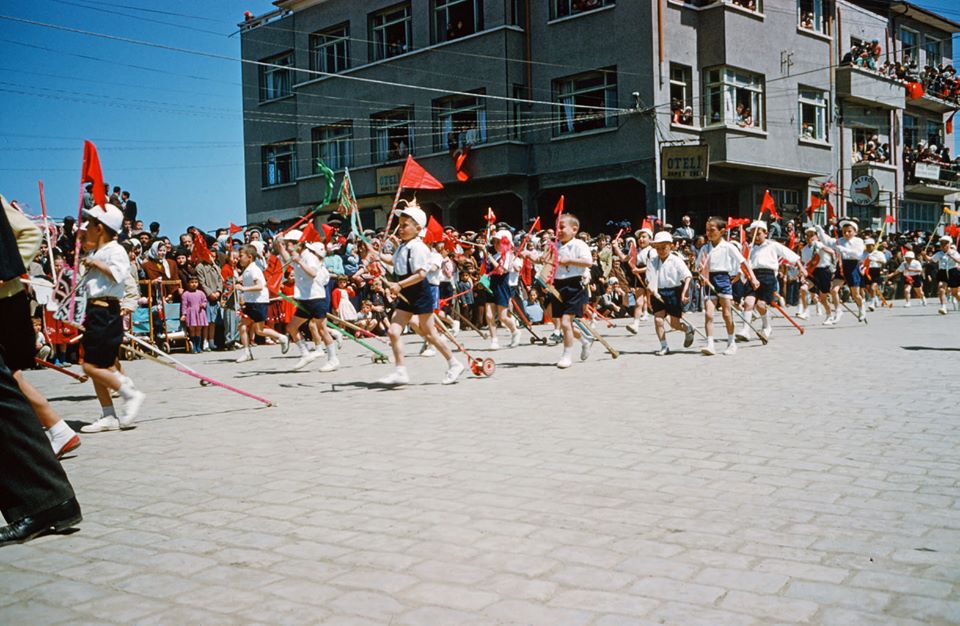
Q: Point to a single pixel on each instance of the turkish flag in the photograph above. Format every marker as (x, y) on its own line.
(234, 229)
(309, 234)
(769, 205)
(92, 174)
(415, 177)
(889, 219)
(915, 90)
(434, 231)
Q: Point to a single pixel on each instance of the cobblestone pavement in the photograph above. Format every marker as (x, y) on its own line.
(814, 480)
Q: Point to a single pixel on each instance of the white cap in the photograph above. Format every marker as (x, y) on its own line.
(758, 224)
(108, 215)
(850, 223)
(663, 237)
(613, 281)
(317, 248)
(946, 239)
(646, 230)
(869, 241)
(909, 255)
(259, 245)
(810, 229)
(500, 234)
(293, 235)
(415, 213)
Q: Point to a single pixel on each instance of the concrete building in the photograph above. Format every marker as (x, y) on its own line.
(579, 97)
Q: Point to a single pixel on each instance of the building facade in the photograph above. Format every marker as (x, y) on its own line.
(581, 98)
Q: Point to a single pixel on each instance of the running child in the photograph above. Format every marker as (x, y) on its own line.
(498, 308)
(668, 283)
(819, 263)
(912, 271)
(872, 272)
(850, 249)
(256, 300)
(766, 257)
(948, 273)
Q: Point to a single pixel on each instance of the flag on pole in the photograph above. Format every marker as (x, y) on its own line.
(234, 229)
(491, 217)
(768, 206)
(815, 203)
(558, 210)
(416, 177)
(310, 234)
(733, 222)
(434, 232)
(889, 219)
(92, 173)
(201, 253)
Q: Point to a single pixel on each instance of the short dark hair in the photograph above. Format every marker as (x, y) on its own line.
(155, 226)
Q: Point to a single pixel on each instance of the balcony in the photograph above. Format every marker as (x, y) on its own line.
(932, 179)
(933, 104)
(750, 148)
(884, 173)
(720, 34)
(870, 89)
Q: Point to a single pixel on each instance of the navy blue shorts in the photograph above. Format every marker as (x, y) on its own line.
(851, 272)
(417, 299)
(721, 285)
(573, 297)
(953, 278)
(872, 276)
(314, 309)
(768, 285)
(434, 295)
(103, 334)
(500, 287)
(671, 302)
(914, 282)
(256, 311)
(821, 280)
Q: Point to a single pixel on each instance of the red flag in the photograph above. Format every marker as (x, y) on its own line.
(434, 231)
(491, 217)
(558, 210)
(831, 215)
(459, 158)
(328, 231)
(234, 229)
(792, 242)
(769, 205)
(92, 174)
(201, 253)
(889, 219)
(274, 274)
(733, 222)
(309, 234)
(226, 272)
(536, 225)
(915, 90)
(646, 224)
(949, 124)
(815, 203)
(415, 177)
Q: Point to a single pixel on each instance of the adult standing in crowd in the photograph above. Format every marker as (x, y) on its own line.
(130, 209)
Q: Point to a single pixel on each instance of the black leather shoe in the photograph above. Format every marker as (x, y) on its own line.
(53, 520)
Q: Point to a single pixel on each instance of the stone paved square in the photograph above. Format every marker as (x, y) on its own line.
(814, 480)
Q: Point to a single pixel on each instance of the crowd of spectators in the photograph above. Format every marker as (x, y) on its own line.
(871, 150)
(938, 81)
(931, 154)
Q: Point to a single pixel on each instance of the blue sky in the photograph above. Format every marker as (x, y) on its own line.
(168, 125)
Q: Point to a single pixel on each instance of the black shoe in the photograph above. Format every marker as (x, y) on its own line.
(53, 520)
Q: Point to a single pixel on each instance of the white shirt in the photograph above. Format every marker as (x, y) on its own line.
(252, 275)
(808, 252)
(946, 260)
(849, 249)
(100, 285)
(767, 255)
(877, 259)
(666, 274)
(914, 268)
(434, 273)
(724, 257)
(411, 257)
(645, 254)
(305, 286)
(573, 250)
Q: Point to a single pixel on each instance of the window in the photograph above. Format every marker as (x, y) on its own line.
(518, 13)
(585, 99)
(275, 77)
(934, 133)
(812, 15)
(910, 45)
(333, 145)
(279, 163)
(391, 32)
(916, 215)
(813, 114)
(329, 50)
(520, 110)
(733, 97)
(392, 135)
(786, 200)
(933, 48)
(911, 131)
(456, 18)
(563, 8)
(681, 96)
(871, 144)
(460, 121)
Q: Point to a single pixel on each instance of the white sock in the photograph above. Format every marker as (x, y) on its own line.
(766, 320)
(59, 429)
(584, 339)
(731, 340)
(332, 351)
(451, 362)
(107, 411)
(302, 346)
(566, 354)
(664, 344)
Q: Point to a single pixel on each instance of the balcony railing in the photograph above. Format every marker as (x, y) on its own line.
(932, 178)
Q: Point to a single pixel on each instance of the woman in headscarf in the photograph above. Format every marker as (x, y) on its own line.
(159, 268)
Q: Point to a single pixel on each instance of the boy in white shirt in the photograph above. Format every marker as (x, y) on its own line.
(256, 301)
(912, 271)
(948, 272)
(765, 259)
(719, 261)
(872, 272)
(850, 249)
(668, 282)
(819, 263)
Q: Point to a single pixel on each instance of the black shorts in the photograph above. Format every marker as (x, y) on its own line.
(103, 333)
(315, 309)
(872, 276)
(953, 278)
(851, 272)
(768, 285)
(913, 282)
(573, 297)
(17, 339)
(256, 311)
(417, 299)
(669, 301)
(942, 276)
(821, 280)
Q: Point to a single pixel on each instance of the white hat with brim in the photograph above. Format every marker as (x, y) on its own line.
(850, 223)
(662, 237)
(645, 230)
(108, 215)
(293, 235)
(909, 255)
(869, 241)
(317, 248)
(758, 224)
(946, 239)
(415, 213)
(810, 229)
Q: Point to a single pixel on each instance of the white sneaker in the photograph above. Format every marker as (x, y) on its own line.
(861, 314)
(742, 335)
(284, 344)
(246, 356)
(515, 339)
(564, 362)
(430, 351)
(942, 310)
(709, 349)
(102, 425)
(494, 344)
(453, 372)
(456, 328)
(206, 345)
(871, 308)
(767, 331)
(585, 348)
(330, 365)
(64, 443)
(633, 326)
(132, 401)
(731, 349)
(802, 316)
(907, 305)
(396, 377)
(303, 362)
(830, 321)
(663, 351)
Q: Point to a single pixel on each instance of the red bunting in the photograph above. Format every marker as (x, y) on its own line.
(434, 232)
(415, 177)
(91, 173)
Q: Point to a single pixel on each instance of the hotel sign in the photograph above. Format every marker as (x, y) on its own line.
(388, 178)
(684, 162)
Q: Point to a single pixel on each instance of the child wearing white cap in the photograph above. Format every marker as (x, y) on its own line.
(256, 301)
(912, 271)
(638, 254)
(850, 249)
(819, 262)
(948, 272)
(498, 308)
(411, 261)
(668, 282)
(872, 272)
(765, 259)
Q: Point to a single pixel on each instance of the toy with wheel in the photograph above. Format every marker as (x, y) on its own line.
(479, 367)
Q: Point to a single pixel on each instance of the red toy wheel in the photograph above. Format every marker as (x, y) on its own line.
(488, 367)
(476, 368)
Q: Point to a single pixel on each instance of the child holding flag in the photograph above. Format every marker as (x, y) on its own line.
(668, 282)
(819, 263)
(765, 259)
(503, 272)
(256, 300)
(948, 274)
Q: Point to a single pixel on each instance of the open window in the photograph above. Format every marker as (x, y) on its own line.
(391, 31)
(392, 134)
(453, 19)
(460, 122)
(588, 101)
(733, 97)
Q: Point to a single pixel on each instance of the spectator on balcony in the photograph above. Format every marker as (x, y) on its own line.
(806, 21)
